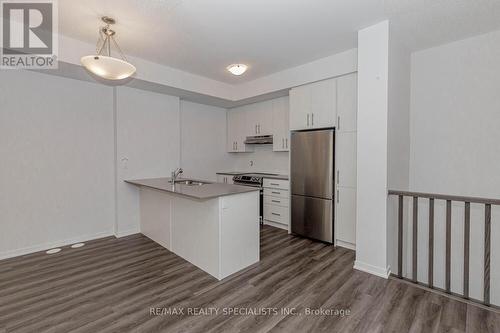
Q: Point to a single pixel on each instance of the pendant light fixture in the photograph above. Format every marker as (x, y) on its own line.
(102, 63)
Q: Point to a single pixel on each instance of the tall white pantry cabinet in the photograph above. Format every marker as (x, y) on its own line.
(326, 104)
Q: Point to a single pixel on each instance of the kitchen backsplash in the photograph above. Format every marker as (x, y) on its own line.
(263, 159)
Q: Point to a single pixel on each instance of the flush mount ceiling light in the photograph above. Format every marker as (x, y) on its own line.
(237, 69)
(102, 63)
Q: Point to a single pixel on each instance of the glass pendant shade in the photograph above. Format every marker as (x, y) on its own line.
(108, 67)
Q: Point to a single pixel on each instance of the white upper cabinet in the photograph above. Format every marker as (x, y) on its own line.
(281, 132)
(232, 131)
(347, 103)
(324, 103)
(300, 107)
(263, 118)
(313, 105)
(237, 130)
(260, 118)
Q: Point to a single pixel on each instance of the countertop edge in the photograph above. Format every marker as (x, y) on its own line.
(235, 173)
(248, 189)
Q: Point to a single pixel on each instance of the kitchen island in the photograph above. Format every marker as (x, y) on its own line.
(212, 225)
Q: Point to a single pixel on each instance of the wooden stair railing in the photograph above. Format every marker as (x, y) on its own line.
(449, 199)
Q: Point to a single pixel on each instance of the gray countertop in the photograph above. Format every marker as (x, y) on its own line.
(276, 176)
(265, 175)
(200, 192)
(232, 173)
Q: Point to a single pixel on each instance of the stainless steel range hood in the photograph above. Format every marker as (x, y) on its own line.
(259, 140)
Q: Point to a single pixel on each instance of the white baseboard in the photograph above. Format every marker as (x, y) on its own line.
(346, 245)
(277, 225)
(374, 270)
(127, 232)
(50, 245)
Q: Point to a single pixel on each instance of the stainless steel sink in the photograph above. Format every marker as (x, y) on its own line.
(190, 182)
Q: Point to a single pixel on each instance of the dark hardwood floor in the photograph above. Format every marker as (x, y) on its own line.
(114, 285)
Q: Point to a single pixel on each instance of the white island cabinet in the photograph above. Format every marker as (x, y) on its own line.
(213, 226)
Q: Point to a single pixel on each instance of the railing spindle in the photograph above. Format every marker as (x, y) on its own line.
(487, 249)
(448, 247)
(487, 202)
(431, 243)
(400, 236)
(466, 248)
(415, 233)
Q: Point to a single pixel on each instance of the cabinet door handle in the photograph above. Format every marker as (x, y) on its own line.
(286, 143)
(274, 184)
(236, 145)
(338, 176)
(283, 143)
(308, 119)
(277, 201)
(259, 128)
(276, 192)
(338, 195)
(276, 214)
(312, 119)
(338, 123)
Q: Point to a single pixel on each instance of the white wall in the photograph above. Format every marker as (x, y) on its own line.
(398, 136)
(454, 148)
(147, 146)
(263, 159)
(57, 162)
(203, 143)
(371, 211)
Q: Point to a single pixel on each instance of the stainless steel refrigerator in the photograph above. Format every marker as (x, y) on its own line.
(311, 176)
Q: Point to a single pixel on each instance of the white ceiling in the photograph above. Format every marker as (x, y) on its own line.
(204, 36)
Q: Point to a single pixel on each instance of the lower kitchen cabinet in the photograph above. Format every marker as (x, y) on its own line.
(276, 214)
(277, 203)
(345, 226)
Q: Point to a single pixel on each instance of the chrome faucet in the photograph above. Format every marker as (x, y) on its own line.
(176, 174)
